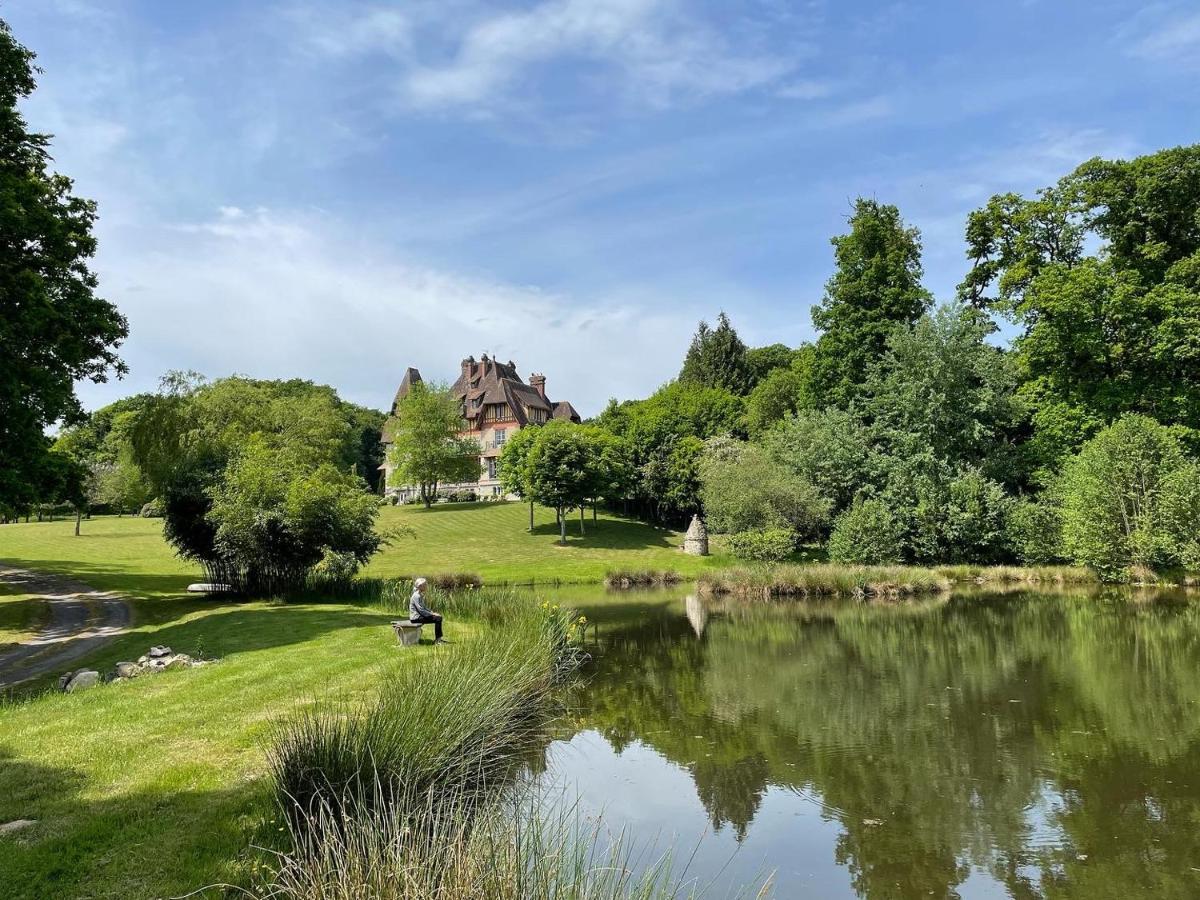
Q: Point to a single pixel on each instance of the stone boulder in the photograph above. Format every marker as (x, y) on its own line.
(81, 680)
(695, 542)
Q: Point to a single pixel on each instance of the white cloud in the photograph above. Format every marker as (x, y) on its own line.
(1176, 38)
(348, 31)
(661, 53)
(276, 294)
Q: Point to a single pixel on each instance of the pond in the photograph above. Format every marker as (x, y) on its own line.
(983, 745)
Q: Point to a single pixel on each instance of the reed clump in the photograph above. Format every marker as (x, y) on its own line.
(829, 580)
(463, 719)
(633, 578)
(1057, 575)
(503, 851)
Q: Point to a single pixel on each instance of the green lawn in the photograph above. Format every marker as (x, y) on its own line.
(493, 541)
(489, 539)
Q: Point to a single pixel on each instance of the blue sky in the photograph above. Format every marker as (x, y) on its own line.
(337, 190)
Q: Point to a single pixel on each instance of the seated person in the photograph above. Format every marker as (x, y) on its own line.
(420, 614)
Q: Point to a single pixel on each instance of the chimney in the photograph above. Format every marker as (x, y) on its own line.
(468, 367)
(538, 383)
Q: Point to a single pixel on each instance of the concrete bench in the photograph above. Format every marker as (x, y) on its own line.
(408, 632)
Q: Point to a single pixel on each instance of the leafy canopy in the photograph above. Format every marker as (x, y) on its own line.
(426, 446)
(54, 329)
(876, 285)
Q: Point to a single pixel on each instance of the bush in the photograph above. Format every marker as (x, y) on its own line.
(766, 545)
(743, 489)
(152, 510)
(1035, 532)
(868, 533)
(1130, 499)
(336, 568)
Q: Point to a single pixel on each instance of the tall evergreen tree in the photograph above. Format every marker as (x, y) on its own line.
(54, 330)
(876, 286)
(717, 358)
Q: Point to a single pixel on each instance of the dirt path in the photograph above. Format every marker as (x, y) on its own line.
(81, 619)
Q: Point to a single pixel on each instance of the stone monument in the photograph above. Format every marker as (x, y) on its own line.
(695, 542)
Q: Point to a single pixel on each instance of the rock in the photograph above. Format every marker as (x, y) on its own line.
(159, 652)
(126, 670)
(16, 825)
(84, 678)
(180, 661)
(64, 680)
(206, 587)
(695, 542)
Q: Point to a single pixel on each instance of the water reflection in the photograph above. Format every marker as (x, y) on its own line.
(1023, 745)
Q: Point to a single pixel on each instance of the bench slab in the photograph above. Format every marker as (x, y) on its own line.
(408, 632)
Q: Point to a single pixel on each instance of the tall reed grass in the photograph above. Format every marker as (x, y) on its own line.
(1019, 574)
(463, 720)
(513, 850)
(827, 580)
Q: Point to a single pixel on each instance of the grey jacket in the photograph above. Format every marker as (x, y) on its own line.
(416, 608)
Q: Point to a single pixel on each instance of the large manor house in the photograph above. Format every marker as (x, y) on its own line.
(496, 403)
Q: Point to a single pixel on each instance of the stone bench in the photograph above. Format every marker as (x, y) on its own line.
(408, 632)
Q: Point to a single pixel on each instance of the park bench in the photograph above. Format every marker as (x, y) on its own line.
(407, 632)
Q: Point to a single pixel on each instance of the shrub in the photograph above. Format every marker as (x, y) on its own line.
(1035, 532)
(743, 489)
(869, 533)
(1130, 498)
(152, 510)
(336, 568)
(766, 545)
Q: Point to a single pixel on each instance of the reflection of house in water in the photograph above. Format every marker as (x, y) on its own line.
(697, 613)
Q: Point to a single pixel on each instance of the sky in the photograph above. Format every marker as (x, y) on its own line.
(339, 190)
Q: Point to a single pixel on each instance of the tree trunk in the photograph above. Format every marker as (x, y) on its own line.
(593, 513)
(562, 527)
(78, 516)
(531, 517)
(581, 520)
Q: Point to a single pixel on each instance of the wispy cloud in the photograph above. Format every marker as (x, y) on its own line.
(274, 293)
(1173, 36)
(656, 51)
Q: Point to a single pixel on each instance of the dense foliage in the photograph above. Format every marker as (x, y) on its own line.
(876, 285)
(54, 329)
(257, 479)
(565, 466)
(918, 436)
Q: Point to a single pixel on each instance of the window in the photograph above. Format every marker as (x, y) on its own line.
(501, 436)
(491, 467)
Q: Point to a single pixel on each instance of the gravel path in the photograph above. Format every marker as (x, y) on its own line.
(81, 619)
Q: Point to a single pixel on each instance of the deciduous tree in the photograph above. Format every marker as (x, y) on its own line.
(54, 328)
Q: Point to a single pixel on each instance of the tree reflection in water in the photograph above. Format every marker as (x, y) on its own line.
(1045, 744)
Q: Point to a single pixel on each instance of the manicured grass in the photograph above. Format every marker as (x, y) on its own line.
(492, 540)
(158, 786)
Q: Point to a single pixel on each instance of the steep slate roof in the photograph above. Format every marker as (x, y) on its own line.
(564, 410)
(411, 377)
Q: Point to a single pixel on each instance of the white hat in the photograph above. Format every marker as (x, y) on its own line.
(419, 582)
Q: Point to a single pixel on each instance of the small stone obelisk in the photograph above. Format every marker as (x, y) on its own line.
(695, 542)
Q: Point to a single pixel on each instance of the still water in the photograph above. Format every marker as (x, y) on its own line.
(985, 745)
